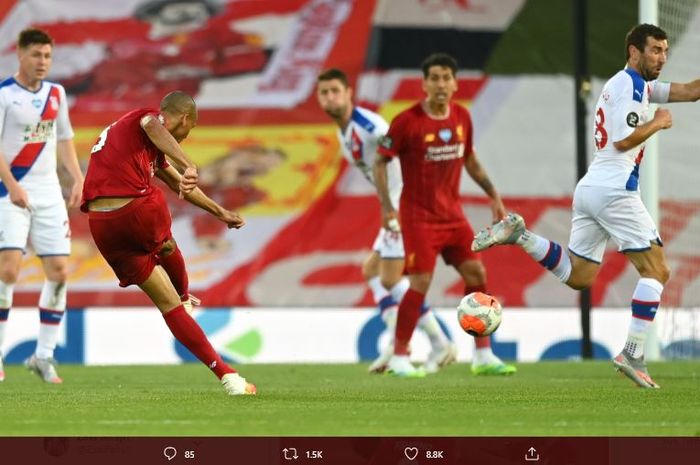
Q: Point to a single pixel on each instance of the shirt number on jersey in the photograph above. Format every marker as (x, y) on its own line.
(601, 135)
(100, 140)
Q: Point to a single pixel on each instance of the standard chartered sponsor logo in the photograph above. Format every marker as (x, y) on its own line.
(445, 152)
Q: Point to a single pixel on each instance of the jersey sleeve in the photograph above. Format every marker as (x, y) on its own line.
(64, 130)
(626, 106)
(390, 145)
(660, 90)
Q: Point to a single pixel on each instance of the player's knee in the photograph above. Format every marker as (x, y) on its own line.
(8, 275)
(58, 274)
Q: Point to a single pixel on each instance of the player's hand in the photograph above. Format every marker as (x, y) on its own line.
(391, 221)
(498, 210)
(232, 219)
(188, 181)
(76, 194)
(663, 118)
(19, 197)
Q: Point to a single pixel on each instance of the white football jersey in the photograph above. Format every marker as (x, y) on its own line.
(359, 143)
(30, 125)
(622, 106)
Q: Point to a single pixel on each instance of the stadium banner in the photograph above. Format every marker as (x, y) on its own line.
(104, 336)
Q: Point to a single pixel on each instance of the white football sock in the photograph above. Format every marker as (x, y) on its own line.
(429, 323)
(378, 290)
(6, 291)
(52, 306)
(645, 303)
(547, 253)
(399, 289)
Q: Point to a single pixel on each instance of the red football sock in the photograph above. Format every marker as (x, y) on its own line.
(188, 332)
(409, 312)
(485, 341)
(174, 265)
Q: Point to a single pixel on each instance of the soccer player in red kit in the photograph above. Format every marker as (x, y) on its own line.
(433, 140)
(130, 221)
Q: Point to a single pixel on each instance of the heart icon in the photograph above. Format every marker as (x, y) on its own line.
(411, 453)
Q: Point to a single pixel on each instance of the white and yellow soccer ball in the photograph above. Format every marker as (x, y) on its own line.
(479, 314)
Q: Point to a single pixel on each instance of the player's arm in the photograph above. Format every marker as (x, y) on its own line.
(69, 159)
(381, 181)
(172, 178)
(662, 120)
(165, 142)
(478, 174)
(688, 92)
(18, 196)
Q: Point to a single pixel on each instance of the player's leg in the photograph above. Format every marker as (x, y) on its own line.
(14, 224)
(388, 307)
(654, 273)
(50, 237)
(186, 330)
(408, 315)
(171, 259)
(633, 229)
(52, 307)
(10, 260)
(485, 362)
(392, 273)
(576, 268)
(129, 239)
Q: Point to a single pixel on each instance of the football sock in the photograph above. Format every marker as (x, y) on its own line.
(428, 322)
(399, 289)
(409, 311)
(190, 335)
(174, 265)
(547, 253)
(52, 306)
(645, 302)
(389, 316)
(5, 305)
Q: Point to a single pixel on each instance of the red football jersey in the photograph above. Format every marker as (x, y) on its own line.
(432, 154)
(123, 160)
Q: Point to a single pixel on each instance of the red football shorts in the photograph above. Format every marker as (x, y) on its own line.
(130, 237)
(422, 245)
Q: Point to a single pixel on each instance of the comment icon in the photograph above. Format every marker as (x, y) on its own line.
(170, 452)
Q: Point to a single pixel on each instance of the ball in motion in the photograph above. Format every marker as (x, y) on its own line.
(479, 314)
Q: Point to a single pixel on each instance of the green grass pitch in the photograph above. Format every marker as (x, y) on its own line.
(542, 399)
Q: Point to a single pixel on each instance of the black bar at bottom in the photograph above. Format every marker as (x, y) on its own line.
(351, 451)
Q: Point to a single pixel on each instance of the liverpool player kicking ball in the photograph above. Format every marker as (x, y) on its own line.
(130, 222)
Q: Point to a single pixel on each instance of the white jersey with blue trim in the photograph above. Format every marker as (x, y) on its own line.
(31, 123)
(359, 141)
(622, 106)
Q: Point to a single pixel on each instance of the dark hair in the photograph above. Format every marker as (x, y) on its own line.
(334, 73)
(33, 36)
(637, 36)
(439, 59)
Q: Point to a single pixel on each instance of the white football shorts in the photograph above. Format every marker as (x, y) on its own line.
(389, 244)
(45, 225)
(601, 213)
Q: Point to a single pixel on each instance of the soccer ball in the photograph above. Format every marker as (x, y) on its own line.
(479, 314)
